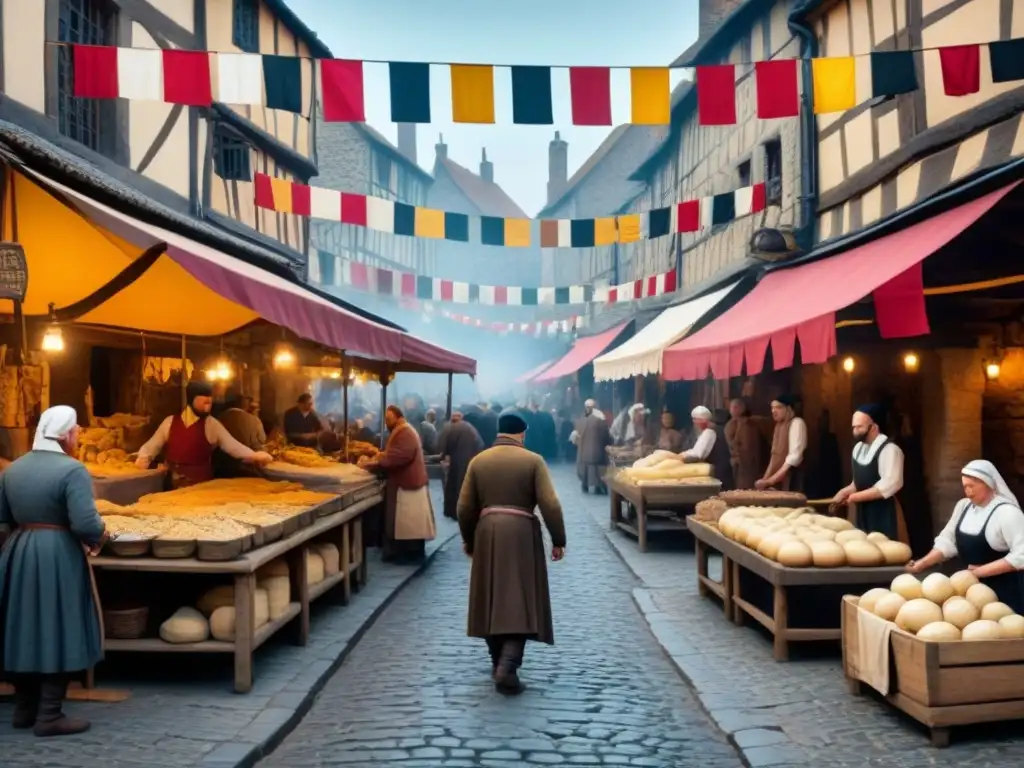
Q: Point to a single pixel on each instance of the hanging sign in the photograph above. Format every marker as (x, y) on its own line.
(13, 271)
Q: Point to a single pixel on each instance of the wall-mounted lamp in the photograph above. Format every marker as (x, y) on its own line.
(53, 338)
(992, 368)
(911, 362)
(849, 364)
(284, 358)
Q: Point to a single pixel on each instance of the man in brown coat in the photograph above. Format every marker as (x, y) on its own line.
(744, 445)
(509, 602)
(593, 439)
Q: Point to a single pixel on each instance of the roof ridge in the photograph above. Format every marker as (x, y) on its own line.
(488, 196)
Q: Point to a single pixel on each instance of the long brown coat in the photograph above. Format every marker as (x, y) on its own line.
(591, 454)
(508, 587)
(402, 462)
(745, 448)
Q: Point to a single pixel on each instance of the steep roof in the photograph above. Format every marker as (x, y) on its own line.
(588, 165)
(381, 140)
(487, 196)
(317, 47)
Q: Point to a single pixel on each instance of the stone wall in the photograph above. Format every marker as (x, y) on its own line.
(1002, 433)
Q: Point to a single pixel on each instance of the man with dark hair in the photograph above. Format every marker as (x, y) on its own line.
(245, 428)
(459, 442)
(785, 469)
(303, 425)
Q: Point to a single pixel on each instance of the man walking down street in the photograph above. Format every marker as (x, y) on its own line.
(509, 600)
(592, 440)
(458, 444)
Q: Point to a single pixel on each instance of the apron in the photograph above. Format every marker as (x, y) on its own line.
(414, 512)
(879, 515)
(974, 549)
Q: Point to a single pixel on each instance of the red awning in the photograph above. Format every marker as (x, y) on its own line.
(800, 303)
(523, 378)
(583, 351)
(426, 357)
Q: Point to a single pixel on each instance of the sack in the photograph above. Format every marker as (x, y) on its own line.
(414, 515)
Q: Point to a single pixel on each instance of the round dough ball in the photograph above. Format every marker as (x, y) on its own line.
(888, 606)
(962, 581)
(982, 630)
(836, 524)
(1012, 626)
(770, 544)
(916, 614)
(827, 554)
(863, 554)
(868, 599)
(938, 632)
(875, 537)
(981, 595)
(937, 588)
(851, 534)
(795, 554)
(894, 552)
(810, 536)
(959, 612)
(906, 584)
(755, 535)
(996, 611)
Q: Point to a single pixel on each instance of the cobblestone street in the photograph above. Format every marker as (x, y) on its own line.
(416, 691)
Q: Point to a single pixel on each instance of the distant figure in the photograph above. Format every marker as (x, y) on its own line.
(303, 425)
(566, 447)
(245, 428)
(543, 425)
(459, 443)
(487, 425)
(669, 438)
(593, 438)
(745, 446)
(428, 432)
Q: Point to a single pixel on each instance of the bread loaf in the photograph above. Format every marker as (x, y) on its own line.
(187, 625)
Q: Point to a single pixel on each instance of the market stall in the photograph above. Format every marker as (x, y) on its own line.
(787, 568)
(944, 650)
(660, 496)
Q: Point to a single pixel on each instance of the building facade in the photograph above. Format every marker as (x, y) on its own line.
(195, 160)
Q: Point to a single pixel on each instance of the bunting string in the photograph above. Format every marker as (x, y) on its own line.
(197, 78)
(536, 329)
(284, 196)
(408, 285)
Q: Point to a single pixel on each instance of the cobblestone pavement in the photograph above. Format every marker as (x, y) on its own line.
(417, 692)
(183, 711)
(790, 714)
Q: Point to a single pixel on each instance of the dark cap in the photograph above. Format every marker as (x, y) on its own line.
(873, 411)
(198, 389)
(511, 423)
(787, 400)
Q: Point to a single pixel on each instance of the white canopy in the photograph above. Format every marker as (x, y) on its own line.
(641, 354)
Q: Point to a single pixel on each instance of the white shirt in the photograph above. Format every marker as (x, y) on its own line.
(797, 442)
(1005, 532)
(890, 464)
(216, 435)
(702, 448)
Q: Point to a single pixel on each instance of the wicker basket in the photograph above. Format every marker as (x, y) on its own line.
(125, 623)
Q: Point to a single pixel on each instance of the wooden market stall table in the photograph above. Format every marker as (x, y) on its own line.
(737, 558)
(676, 499)
(343, 528)
(128, 487)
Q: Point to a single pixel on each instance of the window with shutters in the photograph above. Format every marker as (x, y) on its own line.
(245, 25)
(91, 122)
(743, 174)
(773, 172)
(231, 155)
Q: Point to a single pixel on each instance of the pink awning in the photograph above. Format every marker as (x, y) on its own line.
(525, 377)
(801, 303)
(583, 351)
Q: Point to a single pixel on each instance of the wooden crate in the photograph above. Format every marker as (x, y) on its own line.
(944, 684)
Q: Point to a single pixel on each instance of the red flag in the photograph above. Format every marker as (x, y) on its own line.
(777, 88)
(961, 69)
(187, 78)
(651, 289)
(670, 281)
(500, 294)
(688, 216)
(264, 191)
(408, 285)
(353, 209)
(591, 92)
(613, 295)
(447, 290)
(301, 199)
(342, 87)
(95, 71)
(638, 289)
(759, 200)
(716, 95)
(360, 277)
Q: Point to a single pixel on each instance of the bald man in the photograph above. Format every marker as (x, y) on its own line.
(877, 476)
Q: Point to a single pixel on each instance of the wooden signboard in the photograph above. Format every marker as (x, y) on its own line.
(13, 271)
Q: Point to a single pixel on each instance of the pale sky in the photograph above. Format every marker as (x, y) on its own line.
(540, 32)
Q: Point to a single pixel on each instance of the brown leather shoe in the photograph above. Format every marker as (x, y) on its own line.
(508, 683)
(23, 720)
(63, 726)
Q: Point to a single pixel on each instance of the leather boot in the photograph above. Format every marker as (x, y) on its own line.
(494, 645)
(506, 678)
(51, 720)
(26, 701)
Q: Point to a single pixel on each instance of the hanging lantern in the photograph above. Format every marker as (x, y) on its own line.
(284, 358)
(53, 338)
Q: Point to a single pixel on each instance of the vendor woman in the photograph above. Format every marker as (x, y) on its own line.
(709, 448)
(987, 531)
(188, 439)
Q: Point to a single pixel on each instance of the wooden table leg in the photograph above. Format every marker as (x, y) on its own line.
(701, 551)
(641, 524)
(940, 737)
(300, 592)
(727, 587)
(245, 629)
(90, 678)
(854, 686)
(359, 546)
(780, 615)
(615, 500)
(346, 561)
(737, 612)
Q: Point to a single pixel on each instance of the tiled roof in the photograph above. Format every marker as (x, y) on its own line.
(381, 140)
(488, 197)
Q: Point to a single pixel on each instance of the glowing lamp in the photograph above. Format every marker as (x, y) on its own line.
(992, 371)
(911, 362)
(849, 364)
(284, 358)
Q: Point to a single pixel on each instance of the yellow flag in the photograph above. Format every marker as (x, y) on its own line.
(604, 231)
(282, 191)
(429, 222)
(650, 95)
(629, 228)
(835, 84)
(472, 93)
(517, 233)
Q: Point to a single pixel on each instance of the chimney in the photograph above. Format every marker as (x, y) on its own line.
(558, 168)
(486, 167)
(407, 140)
(441, 149)
(712, 13)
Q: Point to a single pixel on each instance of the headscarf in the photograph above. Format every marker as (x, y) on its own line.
(630, 424)
(55, 424)
(986, 471)
(701, 412)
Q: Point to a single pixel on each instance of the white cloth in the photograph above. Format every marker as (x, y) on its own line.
(216, 435)
(890, 464)
(618, 428)
(55, 424)
(986, 471)
(240, 79)
(589, 404)
(700, 412)
(140, 74)
(797, 442)
(1005, 531)
(702, 448)
(631, 425)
